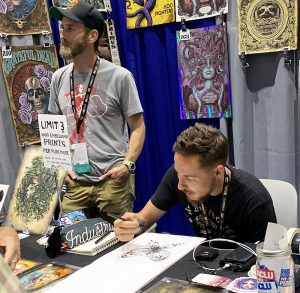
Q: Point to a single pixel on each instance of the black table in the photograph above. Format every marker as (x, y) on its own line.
(185, 269)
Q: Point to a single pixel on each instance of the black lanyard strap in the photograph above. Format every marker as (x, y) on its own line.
(79, 119)
(222, 210)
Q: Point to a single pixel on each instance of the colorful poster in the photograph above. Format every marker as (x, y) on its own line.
(98, 4)
(35, 193)
(27, 76)
(45, 276)
(197, 9)
(143, 13)
(204, 74)
(267, 25)
(23, 17)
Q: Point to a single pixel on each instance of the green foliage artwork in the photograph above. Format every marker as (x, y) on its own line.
(35, 193)
(33, 199)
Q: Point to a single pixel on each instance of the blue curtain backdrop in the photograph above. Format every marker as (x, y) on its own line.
(151, 55)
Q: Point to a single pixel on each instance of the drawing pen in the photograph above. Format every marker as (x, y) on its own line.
(121, 218)
(102, 237)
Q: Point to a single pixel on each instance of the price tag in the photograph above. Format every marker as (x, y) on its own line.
(107, 5)
(185, 35)
(6, 52)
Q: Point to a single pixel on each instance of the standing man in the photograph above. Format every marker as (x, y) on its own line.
(220, 201)
(99, 99)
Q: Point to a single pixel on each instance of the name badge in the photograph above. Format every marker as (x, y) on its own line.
(80, 158)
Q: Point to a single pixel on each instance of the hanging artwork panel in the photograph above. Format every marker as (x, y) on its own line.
(98, 4)
(27, 74)
(35, 193)
(197, 9)
(24, 17)
(143, 13)
(203, 73)
(108, 47)
(267, 25)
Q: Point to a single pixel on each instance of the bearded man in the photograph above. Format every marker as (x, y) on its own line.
(100, 101)
(219, 200)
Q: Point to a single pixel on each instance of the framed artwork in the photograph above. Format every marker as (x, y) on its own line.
(98, 4)
(267, 26)
(35, 193)
(27, 76)
(141, 13)
(24, 17)
(203, 73)
(198, 9)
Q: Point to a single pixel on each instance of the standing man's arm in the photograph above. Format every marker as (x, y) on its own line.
(120, 174)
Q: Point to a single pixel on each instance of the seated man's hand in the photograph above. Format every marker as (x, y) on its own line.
(125, 230)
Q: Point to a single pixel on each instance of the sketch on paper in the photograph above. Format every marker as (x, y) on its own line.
(197, 9)
(153, 250)
(203, 73)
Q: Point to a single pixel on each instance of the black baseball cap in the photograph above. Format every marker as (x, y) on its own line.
(82, 12)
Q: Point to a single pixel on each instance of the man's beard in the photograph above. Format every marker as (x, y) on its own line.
(70, 51)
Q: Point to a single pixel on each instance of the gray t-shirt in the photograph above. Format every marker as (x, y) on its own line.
(113, 98)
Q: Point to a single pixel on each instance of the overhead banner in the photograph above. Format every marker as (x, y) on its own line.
(267, 26)
(24, 17)
(198, 9)
(203, 73)
(27, 74)
(140, 13)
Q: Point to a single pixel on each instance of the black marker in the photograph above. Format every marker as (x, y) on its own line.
(102, 237)
(123, 219)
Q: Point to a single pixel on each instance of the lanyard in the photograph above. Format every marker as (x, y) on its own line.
(223, 207)
(79, 119)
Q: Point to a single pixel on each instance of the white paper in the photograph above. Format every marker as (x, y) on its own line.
(5, 189)
(55, 141)
(131, 266)
(276, 238)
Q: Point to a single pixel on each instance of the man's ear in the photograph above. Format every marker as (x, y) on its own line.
(93, 36)
(219, 170)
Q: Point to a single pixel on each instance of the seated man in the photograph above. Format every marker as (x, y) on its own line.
(219, 200)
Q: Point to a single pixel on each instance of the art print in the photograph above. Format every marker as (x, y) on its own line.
(143, 13)
(25, 265)
(172, 285)
(27, 76)
(198, 9)
(44, 276)
(267, 25)
(23, 17)
(35, 193)
(203, 72)
(98, 4)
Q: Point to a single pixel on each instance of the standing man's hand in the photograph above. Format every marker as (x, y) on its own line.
(70, 177)
(10, 246)
(119, 175)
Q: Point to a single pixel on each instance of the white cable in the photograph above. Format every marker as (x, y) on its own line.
(224, 240)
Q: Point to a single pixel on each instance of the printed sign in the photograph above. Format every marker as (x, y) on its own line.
(55, 141)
